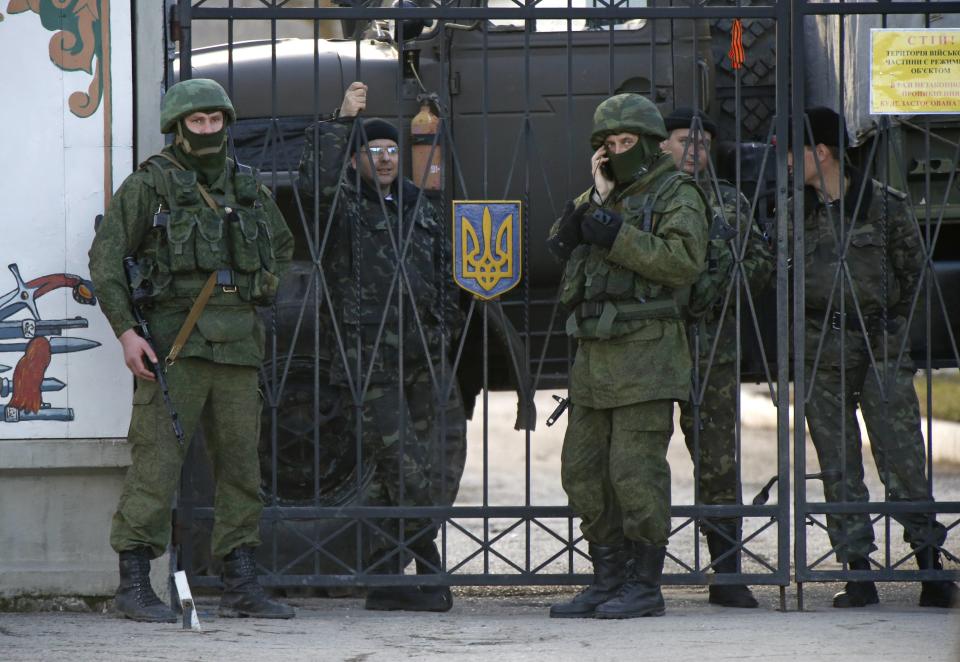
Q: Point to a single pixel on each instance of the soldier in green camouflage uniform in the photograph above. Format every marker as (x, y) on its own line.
(710, 429)
(632, 246)
(885, 260)
(402, 322)
(184, 214)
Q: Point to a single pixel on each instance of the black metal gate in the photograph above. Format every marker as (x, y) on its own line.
(514, 85)
(917, 157)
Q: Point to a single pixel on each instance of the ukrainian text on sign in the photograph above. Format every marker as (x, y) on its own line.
(914, 71)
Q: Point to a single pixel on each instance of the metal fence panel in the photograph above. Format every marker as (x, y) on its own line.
(515, 86)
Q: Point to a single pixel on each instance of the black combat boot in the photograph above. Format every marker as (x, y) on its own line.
(413, 598)
(857, 594)
(608, 576)
(135, 597)
(940, 593)
(721, 542)
(640, 594)
(242, 593)
(436, 598)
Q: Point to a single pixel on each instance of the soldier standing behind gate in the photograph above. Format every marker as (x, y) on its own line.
(380, 222)
(193, 220)
(689, 146)
(868, 227)
(632, 246)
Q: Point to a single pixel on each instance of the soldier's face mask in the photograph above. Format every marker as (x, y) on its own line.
(202, 134)
(630, 164)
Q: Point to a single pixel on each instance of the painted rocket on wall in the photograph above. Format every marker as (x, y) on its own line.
(37, 339)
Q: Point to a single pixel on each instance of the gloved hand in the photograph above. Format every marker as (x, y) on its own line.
(568, 235)
(601, 227)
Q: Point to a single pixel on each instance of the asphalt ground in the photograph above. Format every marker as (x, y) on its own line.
(511, 623)
(504, 625)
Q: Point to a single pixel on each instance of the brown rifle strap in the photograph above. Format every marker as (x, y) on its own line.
(195, 311)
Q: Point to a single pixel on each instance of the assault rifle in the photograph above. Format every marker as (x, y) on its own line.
(140, 292)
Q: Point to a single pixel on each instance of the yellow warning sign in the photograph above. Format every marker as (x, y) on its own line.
(914, 71)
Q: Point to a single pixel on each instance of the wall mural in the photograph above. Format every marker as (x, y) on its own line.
(37, 339)
(77, 43)
(81, 43)
(50, 380)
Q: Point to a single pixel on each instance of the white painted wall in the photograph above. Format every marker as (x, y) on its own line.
(52, 187)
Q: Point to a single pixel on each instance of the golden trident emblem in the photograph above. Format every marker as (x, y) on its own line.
(496, 261)
(487, 259)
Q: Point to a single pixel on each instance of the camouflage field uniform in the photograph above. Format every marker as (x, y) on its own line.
(716, 443)
(399, 416)
(885, 260)
(159, 216)
(628, 371)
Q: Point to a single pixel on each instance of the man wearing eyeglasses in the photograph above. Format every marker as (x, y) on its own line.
(709, 423)
(389, 333)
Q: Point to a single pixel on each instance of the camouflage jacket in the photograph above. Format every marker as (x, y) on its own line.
(161, 219)
(364, 237)
(884, 255)
(710, 290)
(641, 359)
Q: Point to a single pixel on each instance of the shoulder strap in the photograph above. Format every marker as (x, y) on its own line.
(159, 180)
(203, 191)
(652, 199)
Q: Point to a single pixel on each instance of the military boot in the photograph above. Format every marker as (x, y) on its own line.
(412, 598)
(608, 576)
(135, 598)
(857, 594)
(242, 593)
(640, 594)
(939, 593)
(721, 542)
(435, 597)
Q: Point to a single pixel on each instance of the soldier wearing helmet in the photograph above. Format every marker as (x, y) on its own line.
(632, 245)
(195, 221)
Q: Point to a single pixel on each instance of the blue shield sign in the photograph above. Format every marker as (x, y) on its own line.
(486, 246)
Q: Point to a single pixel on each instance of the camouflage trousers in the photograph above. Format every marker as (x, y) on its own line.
(418, 451)
(713, 443)
(888, 402)
(222, 401)
(615, 472)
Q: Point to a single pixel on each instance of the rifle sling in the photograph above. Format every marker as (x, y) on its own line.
(195, 311)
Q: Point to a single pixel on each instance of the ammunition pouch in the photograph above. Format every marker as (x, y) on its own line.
(191, 239)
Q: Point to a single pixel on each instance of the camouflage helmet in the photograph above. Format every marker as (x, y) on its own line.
(190, 96)
(626, 113)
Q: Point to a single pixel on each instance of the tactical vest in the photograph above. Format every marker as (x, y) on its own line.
(596, 287)
(189, 239)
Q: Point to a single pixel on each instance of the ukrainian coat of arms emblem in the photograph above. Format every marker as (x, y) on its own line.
(486, 246)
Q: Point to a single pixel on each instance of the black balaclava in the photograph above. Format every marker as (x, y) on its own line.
(635, 162)
(206, 154)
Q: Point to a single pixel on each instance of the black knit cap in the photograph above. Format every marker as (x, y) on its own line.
(376, 129)
(682, 118)
(826, 126)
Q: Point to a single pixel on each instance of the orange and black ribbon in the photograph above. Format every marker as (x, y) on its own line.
(736, 54)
